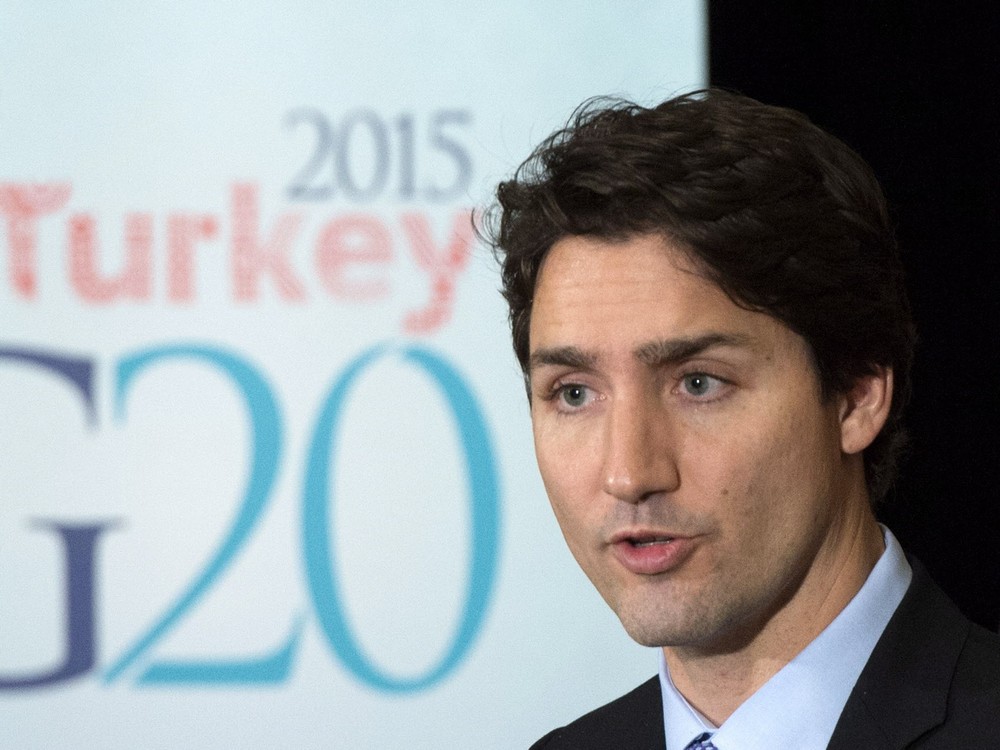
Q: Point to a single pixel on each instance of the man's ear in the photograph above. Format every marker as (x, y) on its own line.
(864, 410)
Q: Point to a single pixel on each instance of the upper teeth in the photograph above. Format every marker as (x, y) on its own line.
(648, 542)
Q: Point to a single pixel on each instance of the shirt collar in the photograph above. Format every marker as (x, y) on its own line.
(800, 705)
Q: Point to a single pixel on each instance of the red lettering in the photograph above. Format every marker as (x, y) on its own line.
(353, 240)
(134, 281)
(443, 266)
(352, 253)
(183, 233)
(22, 204)
(251, 258)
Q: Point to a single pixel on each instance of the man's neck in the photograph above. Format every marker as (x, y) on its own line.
(716, 679)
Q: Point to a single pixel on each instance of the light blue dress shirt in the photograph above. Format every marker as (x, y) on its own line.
(800, 705)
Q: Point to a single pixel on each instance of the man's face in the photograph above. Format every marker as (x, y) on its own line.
(693, 466)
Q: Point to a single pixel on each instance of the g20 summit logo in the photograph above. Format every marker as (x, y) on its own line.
(393, 150)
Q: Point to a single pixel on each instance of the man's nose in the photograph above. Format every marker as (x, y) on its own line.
(639, 456)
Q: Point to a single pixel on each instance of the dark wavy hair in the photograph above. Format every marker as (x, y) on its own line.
(785, 218)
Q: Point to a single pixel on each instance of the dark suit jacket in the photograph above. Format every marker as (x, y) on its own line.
(933, 681)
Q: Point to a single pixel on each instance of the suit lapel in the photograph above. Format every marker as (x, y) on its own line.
(638, 723)
(634, 721)
(903, 690)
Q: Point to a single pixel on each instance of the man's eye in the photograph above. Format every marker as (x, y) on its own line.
(573, 396)
(700, 384)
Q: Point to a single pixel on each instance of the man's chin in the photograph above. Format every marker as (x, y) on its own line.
(677, 629)
(655, 633)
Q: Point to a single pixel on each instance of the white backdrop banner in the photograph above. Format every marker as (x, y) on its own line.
(266, 476)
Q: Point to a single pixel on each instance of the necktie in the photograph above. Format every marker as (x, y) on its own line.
(701, 742)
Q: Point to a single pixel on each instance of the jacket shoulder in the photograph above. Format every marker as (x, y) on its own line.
(974, 698)
(972, 715)
(634, 720)
(932, 682)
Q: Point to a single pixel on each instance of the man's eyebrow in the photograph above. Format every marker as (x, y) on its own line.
(670, 351)
(563, 356)
(653, 353)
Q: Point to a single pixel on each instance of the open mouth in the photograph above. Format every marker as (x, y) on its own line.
(650, 541)
(647, 553)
